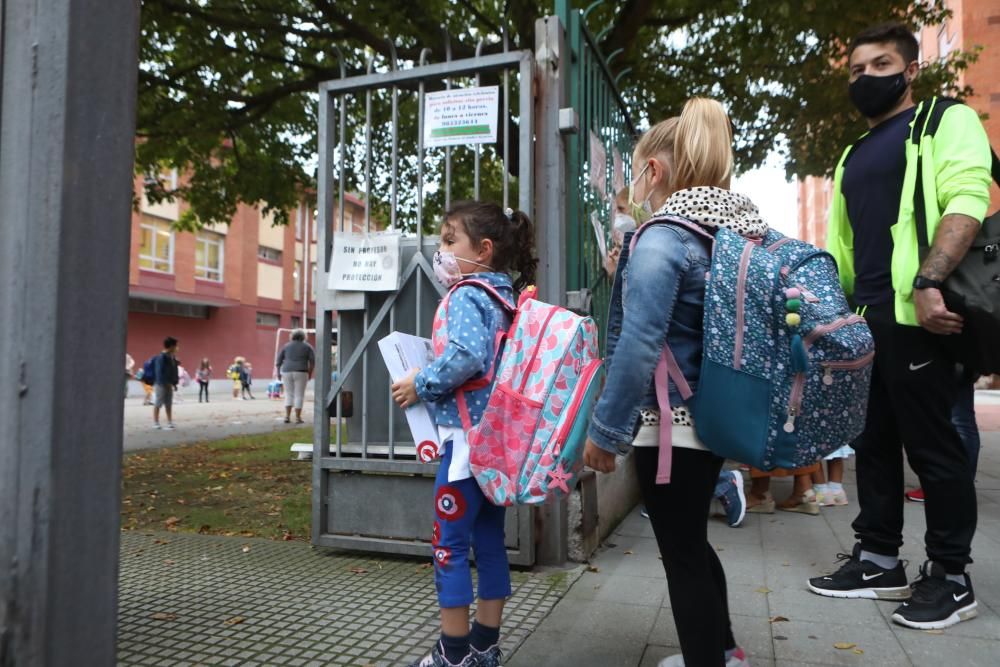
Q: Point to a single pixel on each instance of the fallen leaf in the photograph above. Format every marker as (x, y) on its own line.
(235, 620)
(359, 570)
(813, 637)
(204, 529)
(778, 619)
(426, 566)
(163, 616)
(781, 638)
(628, 552)
(843, 646)
(934, 632)
(169, 562)
(610, 545)
(785, 564)
(161, 541)
(246, 548)
(858, 651)
(593, 568)
(763, 589)
(720, 548)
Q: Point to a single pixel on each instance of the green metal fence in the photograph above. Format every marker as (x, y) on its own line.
(604, 125)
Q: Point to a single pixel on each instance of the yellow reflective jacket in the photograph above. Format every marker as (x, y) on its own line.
(956, 178)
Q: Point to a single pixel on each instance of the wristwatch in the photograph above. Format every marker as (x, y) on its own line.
(920, 282)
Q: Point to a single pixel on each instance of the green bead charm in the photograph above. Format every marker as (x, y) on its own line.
(793, 305)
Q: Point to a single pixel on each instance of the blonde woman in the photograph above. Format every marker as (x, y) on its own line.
(682, 166)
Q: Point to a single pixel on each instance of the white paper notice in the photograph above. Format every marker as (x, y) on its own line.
(365, 262)
(618, 172)
(598, 165)
(461, 116)
(602, 244)
(402, 353)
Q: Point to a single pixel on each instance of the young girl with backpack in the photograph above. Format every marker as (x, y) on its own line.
(203, 375)
(480, 242)
(682, 166)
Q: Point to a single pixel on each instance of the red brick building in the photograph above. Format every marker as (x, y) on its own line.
(225, 290)
(973, 23)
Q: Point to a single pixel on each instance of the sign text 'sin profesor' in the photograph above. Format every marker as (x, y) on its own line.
(365, 262)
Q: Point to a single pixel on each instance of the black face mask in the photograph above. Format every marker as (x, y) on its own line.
(876, 95)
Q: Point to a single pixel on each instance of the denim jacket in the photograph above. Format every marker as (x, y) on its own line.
(474, 318)
(658, 296)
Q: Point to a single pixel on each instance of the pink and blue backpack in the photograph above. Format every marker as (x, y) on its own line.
(547, 374)
(786, 364)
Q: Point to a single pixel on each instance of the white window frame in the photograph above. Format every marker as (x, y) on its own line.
(154, 228)
(209, 238)
(312, 282)
(297, 280)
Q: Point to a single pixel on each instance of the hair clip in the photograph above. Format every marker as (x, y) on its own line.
(509, 212)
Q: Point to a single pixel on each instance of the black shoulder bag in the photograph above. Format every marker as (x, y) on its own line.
(973, 288)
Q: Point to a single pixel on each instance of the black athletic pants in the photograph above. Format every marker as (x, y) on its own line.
(912, 394)
(695, 578)
(202, 389)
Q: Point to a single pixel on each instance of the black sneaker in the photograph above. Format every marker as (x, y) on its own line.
(862, 579)
(436, 659)
(936, 602)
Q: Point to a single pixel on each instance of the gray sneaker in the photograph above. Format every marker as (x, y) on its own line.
(436, 659)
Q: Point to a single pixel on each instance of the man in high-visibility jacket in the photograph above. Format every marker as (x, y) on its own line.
(872, 235)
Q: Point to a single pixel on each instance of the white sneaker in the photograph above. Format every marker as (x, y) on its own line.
(170, 426)
(156, 426)
(738, 659)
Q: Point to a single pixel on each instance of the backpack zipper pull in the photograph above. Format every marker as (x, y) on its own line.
(790, 424)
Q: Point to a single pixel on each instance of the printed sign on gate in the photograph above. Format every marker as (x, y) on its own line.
(365, 262)
(461, 116)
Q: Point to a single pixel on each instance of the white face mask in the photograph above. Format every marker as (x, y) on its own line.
(641, 212)
(624, 223)
(447, 270)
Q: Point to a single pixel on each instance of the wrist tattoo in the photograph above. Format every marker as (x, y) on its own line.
(954, 235)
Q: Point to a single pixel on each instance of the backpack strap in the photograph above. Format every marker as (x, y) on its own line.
(675, 220)
(926, 123)
(667, 367)
(498, 341)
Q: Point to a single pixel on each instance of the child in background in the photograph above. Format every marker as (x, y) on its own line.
(481, 241)
(235, 371)
(830, 488)
(246, 379)
(203, 375)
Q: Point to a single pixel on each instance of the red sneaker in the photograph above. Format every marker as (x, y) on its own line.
(915, 496)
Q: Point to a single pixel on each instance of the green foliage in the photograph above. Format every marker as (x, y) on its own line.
(227, 88)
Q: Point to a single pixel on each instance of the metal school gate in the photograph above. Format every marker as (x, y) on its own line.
(369, 491)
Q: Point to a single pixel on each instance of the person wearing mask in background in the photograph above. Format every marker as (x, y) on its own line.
(873, 237)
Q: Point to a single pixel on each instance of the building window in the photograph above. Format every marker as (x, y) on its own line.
(137, 305)
(209, 250)
(268, 320)
(298, 222)
(296, 322)
(156, 247)
(297, 278)
(312, 282)
(270, 254)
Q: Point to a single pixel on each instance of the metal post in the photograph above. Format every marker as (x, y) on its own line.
(67, 126)
(550, 212)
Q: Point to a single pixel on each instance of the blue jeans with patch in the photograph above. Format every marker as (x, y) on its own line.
(464, 518)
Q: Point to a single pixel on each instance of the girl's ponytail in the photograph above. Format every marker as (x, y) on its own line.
(523, 259)
(703, 146)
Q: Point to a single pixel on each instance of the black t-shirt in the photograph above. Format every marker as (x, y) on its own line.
(872, 186)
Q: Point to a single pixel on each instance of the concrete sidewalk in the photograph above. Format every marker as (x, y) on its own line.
(618, 613)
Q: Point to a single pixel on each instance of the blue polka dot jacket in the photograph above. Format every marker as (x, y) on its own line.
(474, 318)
